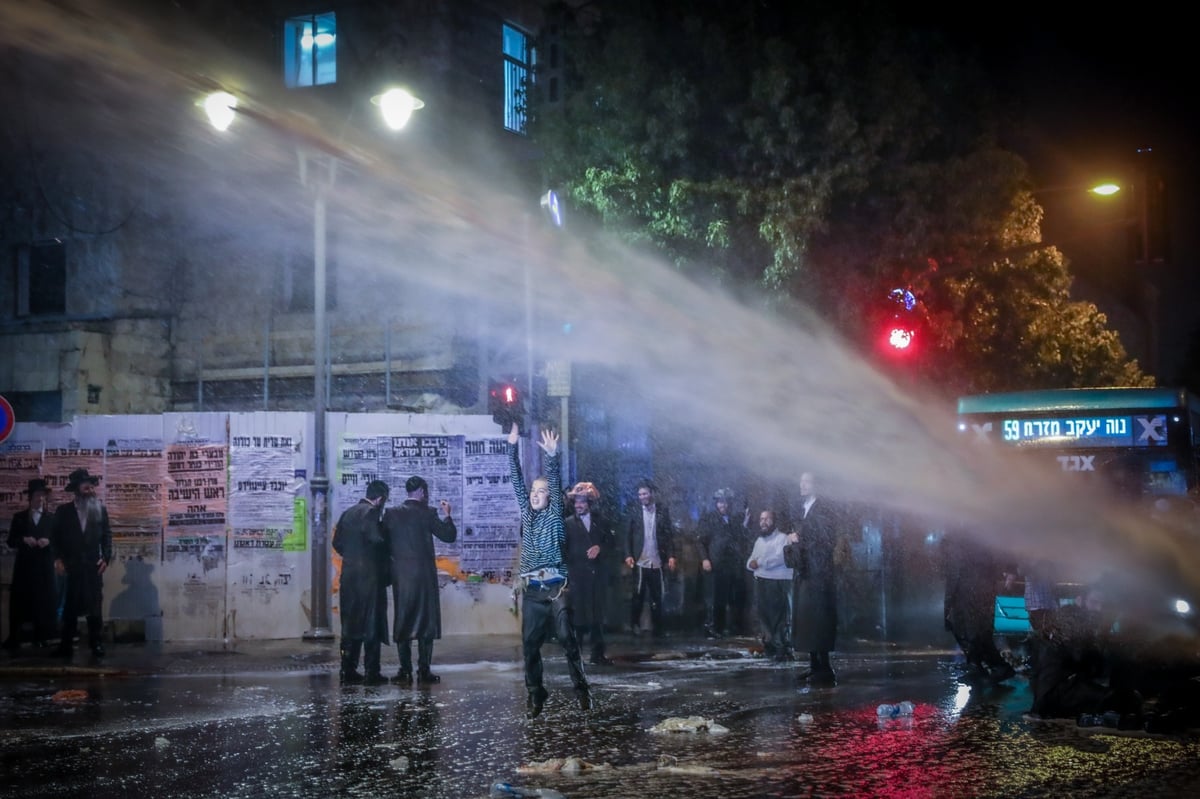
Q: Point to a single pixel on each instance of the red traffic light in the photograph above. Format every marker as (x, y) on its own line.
(506, 404)
(900, 330)
(900, 337)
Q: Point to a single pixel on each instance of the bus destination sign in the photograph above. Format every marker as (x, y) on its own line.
(1087, 431)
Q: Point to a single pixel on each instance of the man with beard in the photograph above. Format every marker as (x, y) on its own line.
(32, 598)
(589, 547)
(82, 546)
(649, 545)
(772, 587)
(723, 550)
(810, 555)
(542, 581)
(358, 538)
(416, 597)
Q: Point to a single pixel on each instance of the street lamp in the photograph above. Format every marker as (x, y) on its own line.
(318, 171)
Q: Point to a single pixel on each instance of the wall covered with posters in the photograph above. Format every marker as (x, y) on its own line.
(211, 512)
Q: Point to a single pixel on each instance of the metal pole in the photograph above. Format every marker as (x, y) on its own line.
(267, 363)
(320, 483)
(534, 410)
(565, 441)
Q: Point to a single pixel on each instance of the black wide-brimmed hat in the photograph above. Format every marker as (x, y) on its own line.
(78, 477)
(37, 484)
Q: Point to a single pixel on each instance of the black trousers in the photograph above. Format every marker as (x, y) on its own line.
(370, 655)
(724, 598)
(649, 586)
(594, 633)
(545, 611)
(424, 654)
(84, 597)
(774, 600)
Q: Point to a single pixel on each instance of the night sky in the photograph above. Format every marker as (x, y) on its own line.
(1083, 95)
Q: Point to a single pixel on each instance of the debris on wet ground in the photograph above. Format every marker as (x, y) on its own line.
(400, 763)
(671, 765)
(69, 695)
(805, 718)
(567, 765)
(688, 724)
(161, 743)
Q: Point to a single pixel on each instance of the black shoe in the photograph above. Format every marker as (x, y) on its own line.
(402, 678)
(351, 678)
(374, 679)
(585, 698)
(535, 703)
(711, 634)
(98, 650)
(601, 660)
(62, 652)
(427, 677)
(823, 679)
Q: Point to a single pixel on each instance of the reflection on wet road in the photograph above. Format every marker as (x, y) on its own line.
(301, 735)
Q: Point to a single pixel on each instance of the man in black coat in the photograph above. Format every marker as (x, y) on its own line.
(415, 594)
(724, 546)
(810, 555)
(649, 544)
(588, 548)
(359, 539)
(973, 573)
(82, 546)
(32, 596)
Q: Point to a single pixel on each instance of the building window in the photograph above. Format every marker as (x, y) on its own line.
(36, 406)
(42, 279)
(518, 74)
(310, 50)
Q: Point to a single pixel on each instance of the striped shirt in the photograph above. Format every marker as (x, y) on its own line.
(542, 530)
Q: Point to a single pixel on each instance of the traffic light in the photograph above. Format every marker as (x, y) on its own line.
(506, 402)
(900, 328)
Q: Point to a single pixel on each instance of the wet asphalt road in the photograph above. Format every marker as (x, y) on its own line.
(297, 733)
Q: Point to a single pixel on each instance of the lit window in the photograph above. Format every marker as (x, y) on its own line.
(310, 50)
(518, 75)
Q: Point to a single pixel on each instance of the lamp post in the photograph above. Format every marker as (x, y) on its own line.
(318, 172)
(319, 485)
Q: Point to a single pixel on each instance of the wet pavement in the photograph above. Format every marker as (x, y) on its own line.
(270, 719)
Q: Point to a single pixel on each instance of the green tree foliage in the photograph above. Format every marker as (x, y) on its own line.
(825, 154)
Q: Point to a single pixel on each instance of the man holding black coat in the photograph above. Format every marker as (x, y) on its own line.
(588, 548)
(416, 596)
(810, 555)
(358, 538)
(82, 546)
(32, 594)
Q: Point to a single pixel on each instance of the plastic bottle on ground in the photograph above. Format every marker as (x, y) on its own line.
(890, 711)
(506, 790)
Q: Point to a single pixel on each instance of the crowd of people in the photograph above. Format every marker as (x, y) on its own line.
(569, 553)
(567, 558)
(1085, 657)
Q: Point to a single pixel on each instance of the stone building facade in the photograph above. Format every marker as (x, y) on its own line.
(158, 265)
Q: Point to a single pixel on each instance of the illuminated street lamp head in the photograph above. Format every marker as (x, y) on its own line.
(220, 108)
(1105, 189)
(397, 106)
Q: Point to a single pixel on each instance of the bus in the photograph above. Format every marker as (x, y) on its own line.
(1140, 443)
